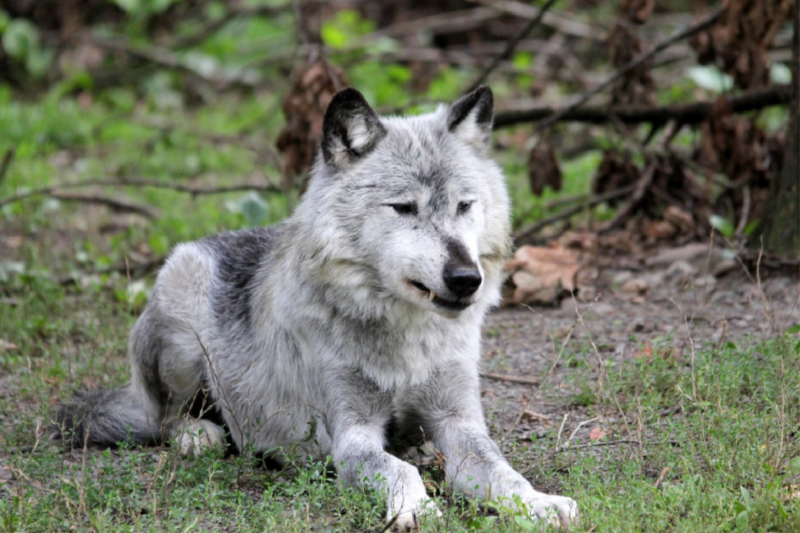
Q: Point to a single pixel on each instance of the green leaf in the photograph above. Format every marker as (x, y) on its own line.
(794, 463)
(722, 225)
(522, 60)
(19, 38)
(794, 330)
(710, 78)
(747, 499)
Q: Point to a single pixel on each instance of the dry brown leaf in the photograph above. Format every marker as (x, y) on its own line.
(304, 108)
(543, 169)
(597, 433)
(637, 11)
(541, 275)
(533, 415)
(7, 346)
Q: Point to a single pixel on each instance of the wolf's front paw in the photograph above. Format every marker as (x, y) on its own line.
(409, 520)
(195, 436)
(557, 510)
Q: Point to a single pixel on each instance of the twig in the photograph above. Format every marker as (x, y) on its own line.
(745, 216)
(661, 477)
(575, 431)
(561, 430)
(636, 62)
(557, 22)
(179, 187)
(5, 164)
(118, 204)
(529, 231)
(166, 58)
(683, 114)
(641, 189)
(215, 25)
(451, 22)
(511, 379)
(511, 46)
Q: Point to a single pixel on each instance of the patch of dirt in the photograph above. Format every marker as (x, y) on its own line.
(664, 305)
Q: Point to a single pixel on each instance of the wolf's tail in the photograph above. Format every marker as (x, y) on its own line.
(107, 418)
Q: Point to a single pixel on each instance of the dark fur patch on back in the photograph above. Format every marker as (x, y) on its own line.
(238, 255)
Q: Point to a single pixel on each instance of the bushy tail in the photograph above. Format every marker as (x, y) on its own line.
(106, 418)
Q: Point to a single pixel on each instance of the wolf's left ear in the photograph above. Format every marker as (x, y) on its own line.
(350, 129)
(470, 117)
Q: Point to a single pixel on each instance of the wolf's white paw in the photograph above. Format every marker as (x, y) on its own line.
(409, 520)
(557, 510)
(195, 436)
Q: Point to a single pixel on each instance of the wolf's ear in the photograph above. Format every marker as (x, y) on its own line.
(350, 129)
(470, 117)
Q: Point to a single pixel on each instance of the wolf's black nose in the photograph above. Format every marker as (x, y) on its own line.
(462, 280)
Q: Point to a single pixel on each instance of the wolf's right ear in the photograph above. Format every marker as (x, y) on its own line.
(470, 117)
(351, 129)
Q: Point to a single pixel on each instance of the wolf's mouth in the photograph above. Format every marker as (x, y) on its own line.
(452, 305)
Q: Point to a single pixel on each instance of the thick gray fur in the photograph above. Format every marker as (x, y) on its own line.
(311, 335)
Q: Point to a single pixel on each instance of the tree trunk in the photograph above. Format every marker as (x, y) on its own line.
(779, 233)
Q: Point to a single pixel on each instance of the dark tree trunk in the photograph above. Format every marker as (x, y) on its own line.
(779, 233)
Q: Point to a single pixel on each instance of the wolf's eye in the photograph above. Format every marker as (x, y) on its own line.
(463, 207)
(405, 209)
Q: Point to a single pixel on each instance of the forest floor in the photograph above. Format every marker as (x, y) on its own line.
(668, 400)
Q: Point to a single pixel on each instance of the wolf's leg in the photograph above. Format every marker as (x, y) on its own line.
(453, 422)
(475, 466)
(360, 459)
(194, 436)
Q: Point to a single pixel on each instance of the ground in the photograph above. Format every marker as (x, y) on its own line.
(663, 399)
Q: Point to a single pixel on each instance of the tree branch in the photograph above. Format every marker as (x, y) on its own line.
(683, 114)
(527, 232)
(511, 46)
(179, 187)
(634, 63)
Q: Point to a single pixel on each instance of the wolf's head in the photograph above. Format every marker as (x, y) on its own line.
(410, 209)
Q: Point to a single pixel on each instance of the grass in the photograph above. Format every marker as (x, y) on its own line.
(724, 427)
(724, 424)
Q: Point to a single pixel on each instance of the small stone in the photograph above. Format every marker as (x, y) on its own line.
(681, 271)
(621, 277)
(635, 286)
(724, 266)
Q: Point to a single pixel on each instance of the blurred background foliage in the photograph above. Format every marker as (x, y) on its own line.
(127, 126)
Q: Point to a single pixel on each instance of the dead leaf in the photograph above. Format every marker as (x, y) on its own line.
(646, 352)
(533, 415)
(541, 275)
(7, 346)
(304, 108)
(543, 169)
(637, 11)
(636, 86)
(597, 433)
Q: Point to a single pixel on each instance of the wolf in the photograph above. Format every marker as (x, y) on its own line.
(355, 321)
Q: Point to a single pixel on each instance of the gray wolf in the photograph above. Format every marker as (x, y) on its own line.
(356, 319)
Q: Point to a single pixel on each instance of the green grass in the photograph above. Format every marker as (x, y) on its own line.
(725, 427)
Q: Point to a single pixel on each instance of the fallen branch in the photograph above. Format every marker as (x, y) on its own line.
(555, 21)
(179, 187)
(511, 46)
(511, 379)
(625, 210)
(636, 62)
(117, 204)
(527, 232)
(683, 114)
